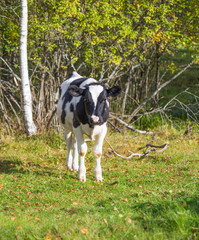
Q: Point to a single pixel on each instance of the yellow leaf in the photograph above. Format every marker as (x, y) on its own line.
(128, 220)
(84, 230)
(105, 221)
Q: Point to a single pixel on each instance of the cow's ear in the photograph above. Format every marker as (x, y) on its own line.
(75, 91)
(114, 91)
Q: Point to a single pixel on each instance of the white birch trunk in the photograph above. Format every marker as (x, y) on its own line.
(26, 92)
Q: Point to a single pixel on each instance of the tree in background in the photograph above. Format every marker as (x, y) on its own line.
(26, 92)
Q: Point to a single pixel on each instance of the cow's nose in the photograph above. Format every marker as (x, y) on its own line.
(95, 119)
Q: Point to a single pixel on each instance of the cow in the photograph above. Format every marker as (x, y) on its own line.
(83, 109)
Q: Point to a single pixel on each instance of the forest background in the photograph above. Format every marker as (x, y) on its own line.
(143, 46)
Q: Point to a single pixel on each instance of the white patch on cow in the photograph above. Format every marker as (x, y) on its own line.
(95, 92)
(93, 132)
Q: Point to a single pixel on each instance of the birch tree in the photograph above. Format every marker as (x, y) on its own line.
(26, 92)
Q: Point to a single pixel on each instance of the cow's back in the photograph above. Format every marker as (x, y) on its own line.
(67, 103)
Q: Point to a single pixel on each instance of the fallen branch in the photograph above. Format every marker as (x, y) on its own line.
(114, 126)
(162, 148)
(187, 131)
(130, 127)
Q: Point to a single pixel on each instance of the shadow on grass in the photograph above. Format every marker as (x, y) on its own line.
(185, 203)
(176, 215)
(13, 165)
(8, 165)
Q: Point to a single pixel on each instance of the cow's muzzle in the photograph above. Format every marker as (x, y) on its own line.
(94, 120)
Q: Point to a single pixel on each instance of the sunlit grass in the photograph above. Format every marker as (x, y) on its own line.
(155, 197)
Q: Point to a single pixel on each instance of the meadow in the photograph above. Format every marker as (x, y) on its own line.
(154, 197)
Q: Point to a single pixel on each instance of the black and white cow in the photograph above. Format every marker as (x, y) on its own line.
(83, 108)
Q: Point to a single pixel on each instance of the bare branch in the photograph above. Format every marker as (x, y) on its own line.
(69, 58)
(114, 72)
(13, 110)
(11, 71)
(128, 86)
(51, 118)
(158, 90)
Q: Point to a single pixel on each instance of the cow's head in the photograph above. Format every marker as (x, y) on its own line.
(96, 100)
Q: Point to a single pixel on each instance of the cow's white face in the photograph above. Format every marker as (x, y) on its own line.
(96, 104)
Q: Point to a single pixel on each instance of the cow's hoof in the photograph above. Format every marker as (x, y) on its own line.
(82, 174)
(69, 169)
(76, 169)
(98, 179)
(82, 179)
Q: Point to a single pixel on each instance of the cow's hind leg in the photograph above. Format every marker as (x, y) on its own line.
(68, 140)
(82, 150)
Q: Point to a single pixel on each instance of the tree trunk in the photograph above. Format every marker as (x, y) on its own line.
(157, 80)
(26, 92)
(126, 93)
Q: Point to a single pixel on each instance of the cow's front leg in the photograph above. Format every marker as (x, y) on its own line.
(82, 150)
(75, 156)
(98, 153)
(68, 140)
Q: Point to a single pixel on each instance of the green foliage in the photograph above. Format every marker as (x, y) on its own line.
(100, 38)
(9, 26)
(147, 198)
(104, 31)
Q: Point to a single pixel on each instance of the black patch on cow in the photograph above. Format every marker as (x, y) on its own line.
(102, 108)
(63, 116)
(78, 81)
(83, 109)
(71, 108)
(114, 91)
(76, 122)
(59, 91)
(67, 97)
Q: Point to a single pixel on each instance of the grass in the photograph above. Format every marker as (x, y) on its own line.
(156, 197)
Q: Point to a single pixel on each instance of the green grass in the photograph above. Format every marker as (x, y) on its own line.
(156, 197)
